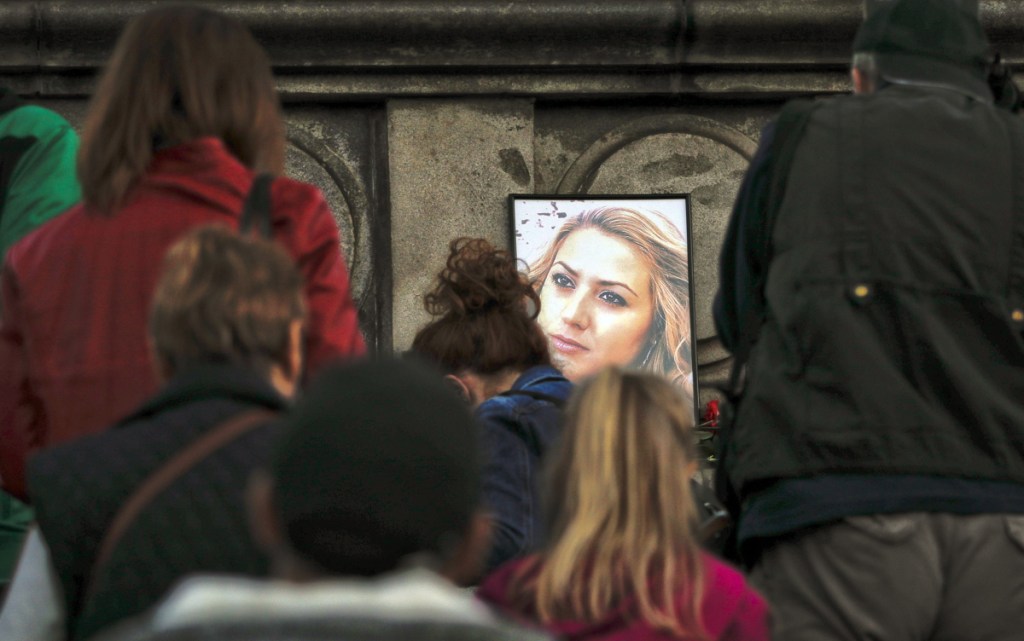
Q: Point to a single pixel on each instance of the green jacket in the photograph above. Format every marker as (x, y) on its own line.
(894, 299)
(37, 168)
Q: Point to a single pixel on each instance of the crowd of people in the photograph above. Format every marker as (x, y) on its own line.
(194, 443)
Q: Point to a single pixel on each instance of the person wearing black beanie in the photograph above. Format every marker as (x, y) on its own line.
(369, 511)
(872, 296)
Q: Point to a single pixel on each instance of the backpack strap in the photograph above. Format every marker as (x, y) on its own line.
(164, 476)
(257, 208)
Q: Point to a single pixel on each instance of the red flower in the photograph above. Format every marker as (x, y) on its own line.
(711, 413)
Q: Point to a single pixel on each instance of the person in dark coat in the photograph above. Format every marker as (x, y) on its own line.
(226, 329)
(877, 457)
(494, 353)
(370, 512)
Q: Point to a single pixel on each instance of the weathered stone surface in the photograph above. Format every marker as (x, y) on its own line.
(336, 149)
(377, 49)
(452, 165)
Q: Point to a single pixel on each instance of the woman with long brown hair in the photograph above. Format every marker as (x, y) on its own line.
(183, 118)
(622, 560)
(485, 339)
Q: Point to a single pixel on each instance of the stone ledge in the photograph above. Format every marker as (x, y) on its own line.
(366, 49)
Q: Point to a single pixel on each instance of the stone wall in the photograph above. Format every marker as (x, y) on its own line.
(417, 119)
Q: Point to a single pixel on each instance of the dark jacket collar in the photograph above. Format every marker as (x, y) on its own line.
(544, 376)
(210, 380)
(947, 78)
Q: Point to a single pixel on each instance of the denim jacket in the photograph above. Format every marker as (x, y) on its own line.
(519, 427)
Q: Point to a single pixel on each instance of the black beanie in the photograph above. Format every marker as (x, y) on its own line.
(378, 462)
(930, 41)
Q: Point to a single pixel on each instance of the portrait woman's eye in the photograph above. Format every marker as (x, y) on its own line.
(613, 299)
(562, 280)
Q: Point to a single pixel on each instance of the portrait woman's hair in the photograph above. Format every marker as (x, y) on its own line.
(484, 314)
(178, 73)
(668, 349)
(619, 504)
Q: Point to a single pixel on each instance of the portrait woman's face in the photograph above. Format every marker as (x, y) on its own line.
(596, 304)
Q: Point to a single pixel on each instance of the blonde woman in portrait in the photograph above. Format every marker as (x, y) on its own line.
(614, 290)
(622, 561)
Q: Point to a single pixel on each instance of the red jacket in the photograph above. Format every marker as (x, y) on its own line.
(76, 296)
(731, 610)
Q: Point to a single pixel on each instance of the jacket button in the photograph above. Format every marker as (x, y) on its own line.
(862, 291)
(1017, 315)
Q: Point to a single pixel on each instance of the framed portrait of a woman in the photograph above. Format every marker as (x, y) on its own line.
(614, 279)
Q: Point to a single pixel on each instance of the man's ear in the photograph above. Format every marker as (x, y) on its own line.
(263, 522)
(465, 565)
(459, 386)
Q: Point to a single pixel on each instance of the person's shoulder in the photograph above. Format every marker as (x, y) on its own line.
(495, 587)
(66, 459)
(33, 120)
(547, 381)
(497, 407)
(729, 598)
(725, 580)
(37, 245)
(294, 196)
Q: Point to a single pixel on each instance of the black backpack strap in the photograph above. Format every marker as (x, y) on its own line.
(256, 210)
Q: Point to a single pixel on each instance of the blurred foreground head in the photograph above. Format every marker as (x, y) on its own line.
(178, 73)
(377, 469)
(225, 298)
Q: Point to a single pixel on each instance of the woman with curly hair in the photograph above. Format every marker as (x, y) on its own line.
(485, 339)
(622, 561)
(614, 290)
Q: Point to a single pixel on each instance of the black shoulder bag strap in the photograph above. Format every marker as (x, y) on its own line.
(161, 478)
(789, 130)
(256, 210)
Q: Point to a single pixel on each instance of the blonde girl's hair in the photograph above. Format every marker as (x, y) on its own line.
(668, 349)
(624, 518)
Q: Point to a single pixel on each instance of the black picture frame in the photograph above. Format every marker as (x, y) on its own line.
(535, 221)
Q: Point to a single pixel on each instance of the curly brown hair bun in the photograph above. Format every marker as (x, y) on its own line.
(484, 311)
(479, 277)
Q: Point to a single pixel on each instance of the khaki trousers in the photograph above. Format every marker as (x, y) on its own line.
(900, 577)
